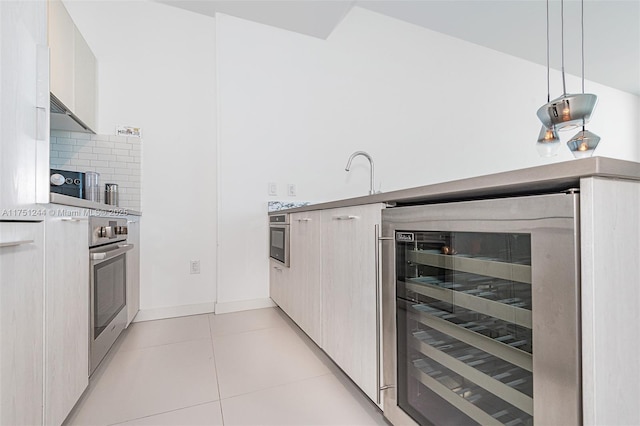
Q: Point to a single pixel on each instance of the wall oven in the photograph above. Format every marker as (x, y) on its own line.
(108, 284)
(481, 312)
(279, 238)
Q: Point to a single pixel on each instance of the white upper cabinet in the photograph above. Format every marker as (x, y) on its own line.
(73, 70)
(22, 31)
(61, 42)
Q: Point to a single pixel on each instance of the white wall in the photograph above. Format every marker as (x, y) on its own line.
(427, 107)
(157, 71)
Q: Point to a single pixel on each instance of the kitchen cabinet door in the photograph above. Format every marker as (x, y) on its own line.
(66, 312)
(85, 81)
(133, 268)
(73, 68)
(279, 285)
(305, 265)
(61, 43)
(22, 31)
(350, 313)
(21, 318)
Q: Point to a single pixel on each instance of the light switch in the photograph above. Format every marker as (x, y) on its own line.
(273, 188)
(291, 190)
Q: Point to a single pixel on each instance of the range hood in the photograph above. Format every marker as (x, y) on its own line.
(63, 119)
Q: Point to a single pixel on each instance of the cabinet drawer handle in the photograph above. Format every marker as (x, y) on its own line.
(304, 219)
(73, 219)
(16, 243)
(277, 269)
(348, 217)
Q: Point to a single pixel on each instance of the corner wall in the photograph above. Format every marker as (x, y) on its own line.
(157, 71)
(428, 107)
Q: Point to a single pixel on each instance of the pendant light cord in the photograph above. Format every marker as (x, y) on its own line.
(564, 85)
(582, 41)
(548, 78)
(582, 38)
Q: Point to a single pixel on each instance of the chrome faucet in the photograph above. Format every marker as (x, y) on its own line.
(364, 154)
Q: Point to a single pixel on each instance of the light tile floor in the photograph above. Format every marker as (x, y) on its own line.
(244, 368)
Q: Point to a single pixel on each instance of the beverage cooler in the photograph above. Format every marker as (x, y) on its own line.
(481, 312)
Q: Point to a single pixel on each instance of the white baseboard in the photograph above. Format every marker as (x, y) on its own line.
(243, 305)
(174, 311)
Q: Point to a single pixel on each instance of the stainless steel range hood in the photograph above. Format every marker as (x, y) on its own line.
(63, 119)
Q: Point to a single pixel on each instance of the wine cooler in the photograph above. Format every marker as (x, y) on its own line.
(481, 312)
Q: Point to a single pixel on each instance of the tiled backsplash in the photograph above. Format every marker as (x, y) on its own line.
(116, 158)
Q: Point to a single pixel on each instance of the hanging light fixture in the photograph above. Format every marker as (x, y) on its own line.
(584, 143)
(548, 140)
(569, 111)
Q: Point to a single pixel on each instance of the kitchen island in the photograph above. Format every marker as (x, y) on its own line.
(607, 245)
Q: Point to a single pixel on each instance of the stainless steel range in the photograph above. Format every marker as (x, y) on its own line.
(108, 284)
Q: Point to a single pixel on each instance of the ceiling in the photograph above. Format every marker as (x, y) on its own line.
(515, 27)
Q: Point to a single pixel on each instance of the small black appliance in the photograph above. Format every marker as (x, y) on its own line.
(67, 182)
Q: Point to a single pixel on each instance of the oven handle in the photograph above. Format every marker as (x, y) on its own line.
(122, 248)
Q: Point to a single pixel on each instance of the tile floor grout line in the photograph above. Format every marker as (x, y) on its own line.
(163, 412)
(252, 330)
(276, 386)
(121, 350)
(215, 367)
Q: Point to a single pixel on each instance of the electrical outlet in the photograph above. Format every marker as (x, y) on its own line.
(273, 188)
(291, 190)
(195, 266)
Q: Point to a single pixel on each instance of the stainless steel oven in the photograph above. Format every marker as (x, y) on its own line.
(108, 284)
(279, 238)
(481, 311)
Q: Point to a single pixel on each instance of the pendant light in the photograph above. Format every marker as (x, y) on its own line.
(548, 140)
(584, 143)
(569, 111)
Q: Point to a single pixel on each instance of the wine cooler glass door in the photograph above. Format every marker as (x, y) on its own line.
(485, 305)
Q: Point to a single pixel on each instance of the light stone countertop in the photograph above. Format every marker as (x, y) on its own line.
(534, 180)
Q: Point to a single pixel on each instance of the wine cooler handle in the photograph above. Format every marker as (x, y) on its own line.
(376, 239)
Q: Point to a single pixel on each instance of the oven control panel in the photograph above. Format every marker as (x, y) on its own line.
(106, 230)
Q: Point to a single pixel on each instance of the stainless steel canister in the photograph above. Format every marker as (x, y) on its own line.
(111, 194)
(92, 186)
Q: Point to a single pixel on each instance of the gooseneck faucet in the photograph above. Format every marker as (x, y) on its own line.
(368, 157)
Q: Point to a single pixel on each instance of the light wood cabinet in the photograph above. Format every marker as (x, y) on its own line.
(305, 293)
(133, 268)
(66, 311)
(21, 319)
(73, 66)
(279, 285)
(24, 159)
(350, 292)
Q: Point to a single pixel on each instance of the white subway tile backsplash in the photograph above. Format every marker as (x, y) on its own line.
(118, 138)
(120, 145)
(63, 154)
(84, 149)
(82, 163)
(67, 148)
(78, 135)
(85, 156)
(116, 158)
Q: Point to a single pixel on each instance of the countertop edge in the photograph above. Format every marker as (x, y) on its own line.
(66, 200)
(537, 179)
